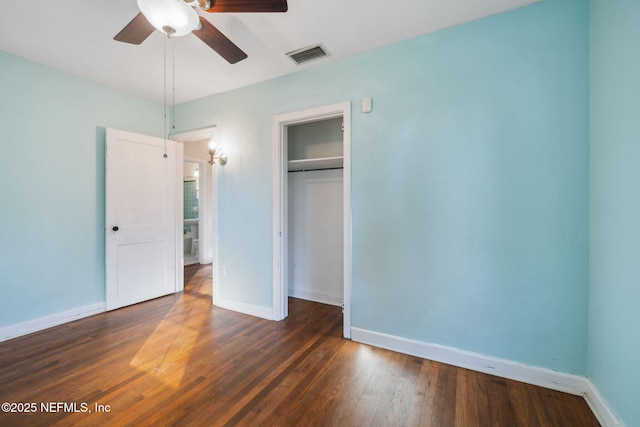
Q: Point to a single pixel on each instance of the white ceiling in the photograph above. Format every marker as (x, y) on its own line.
(76, 36)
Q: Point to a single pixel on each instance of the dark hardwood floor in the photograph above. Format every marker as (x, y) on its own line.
(178, 360)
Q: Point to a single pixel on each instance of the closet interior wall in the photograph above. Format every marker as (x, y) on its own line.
(315, 211)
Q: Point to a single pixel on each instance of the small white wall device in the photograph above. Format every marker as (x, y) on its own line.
(366, 105)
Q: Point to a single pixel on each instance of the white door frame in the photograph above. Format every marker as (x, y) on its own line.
(207, 212)
(280, 229)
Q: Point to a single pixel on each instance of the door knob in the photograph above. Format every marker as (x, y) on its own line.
(115, 228)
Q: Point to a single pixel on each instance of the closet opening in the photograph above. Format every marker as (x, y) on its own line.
(312, 211)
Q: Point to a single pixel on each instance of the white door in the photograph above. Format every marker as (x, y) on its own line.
(140, 218)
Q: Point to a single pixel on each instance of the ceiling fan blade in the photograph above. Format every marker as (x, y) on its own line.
(136, 31)
(219, 42)
(248, 6)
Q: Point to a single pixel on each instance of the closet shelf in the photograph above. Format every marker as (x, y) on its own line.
(312, 164)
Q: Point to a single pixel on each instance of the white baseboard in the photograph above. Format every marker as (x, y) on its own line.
(543, 377)
(599, 406)
(504, 368)
(317, 296)
(46, 322)
(245, 308)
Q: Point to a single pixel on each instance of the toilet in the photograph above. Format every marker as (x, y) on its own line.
(188, 244)
(191, 240)
(194, 247)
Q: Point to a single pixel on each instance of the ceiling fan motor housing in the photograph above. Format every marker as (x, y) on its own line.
(177, 18)
(202, 4)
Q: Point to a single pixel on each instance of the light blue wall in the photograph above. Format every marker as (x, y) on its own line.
(52, 128)
(470, 194)
(614, 350)
(470, 184)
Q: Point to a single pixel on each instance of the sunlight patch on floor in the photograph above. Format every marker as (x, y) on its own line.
(165, 354)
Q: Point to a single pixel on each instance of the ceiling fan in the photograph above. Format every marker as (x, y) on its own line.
(179, 17)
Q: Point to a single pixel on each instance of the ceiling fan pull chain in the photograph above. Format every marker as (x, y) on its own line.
(164, 105)
(173, 84)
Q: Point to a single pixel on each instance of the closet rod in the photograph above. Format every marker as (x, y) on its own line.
(318, 169)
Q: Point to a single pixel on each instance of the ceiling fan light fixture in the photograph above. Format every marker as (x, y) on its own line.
(202, 4)
(172, 17)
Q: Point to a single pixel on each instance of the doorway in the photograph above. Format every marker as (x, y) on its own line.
(281, 238)
(315, 213)
(193, 153)
(190, 209)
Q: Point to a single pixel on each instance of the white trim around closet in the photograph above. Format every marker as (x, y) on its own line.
(280, 123)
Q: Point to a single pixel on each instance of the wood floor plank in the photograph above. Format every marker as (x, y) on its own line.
(177, 360)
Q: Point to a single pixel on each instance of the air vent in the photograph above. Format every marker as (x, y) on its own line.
(307, 54)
